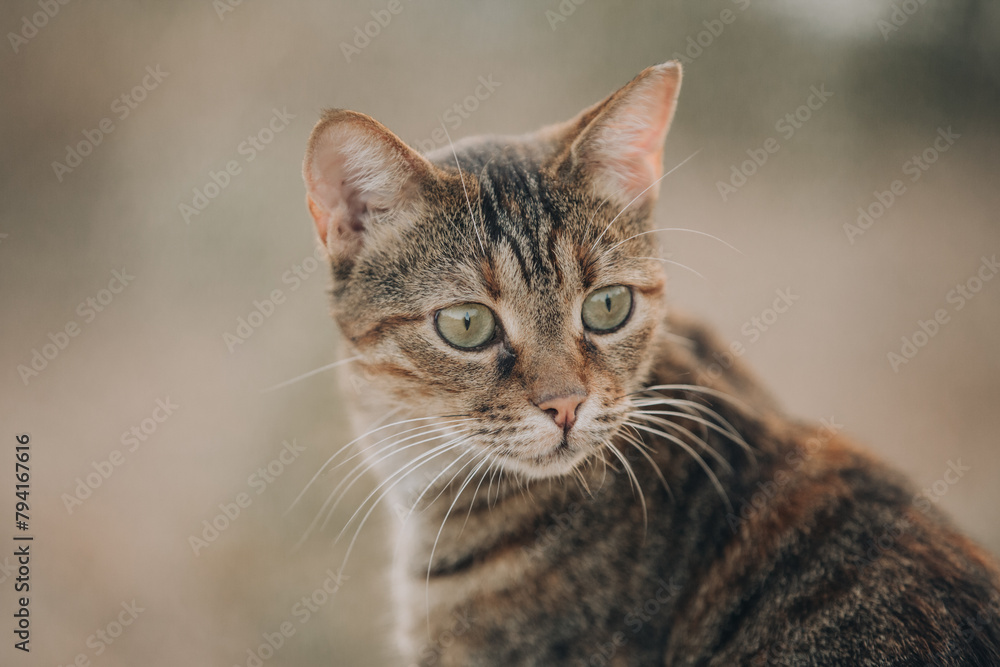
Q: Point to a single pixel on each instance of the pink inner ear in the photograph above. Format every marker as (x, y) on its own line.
(354, 168)
(344, 159)
(627, 149)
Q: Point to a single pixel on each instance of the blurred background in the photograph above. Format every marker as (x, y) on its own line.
(152, 198)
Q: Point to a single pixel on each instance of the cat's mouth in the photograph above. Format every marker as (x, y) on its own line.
(554, 461)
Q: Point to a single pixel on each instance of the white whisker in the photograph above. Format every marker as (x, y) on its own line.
(408, 468)
(632, 480)
(357, 439)
(697, 457)
(310, 374)
(369, 465)
(651, 185)
(353, 478)
(684, 431)
(735, 438)
(641, 447)
(670, 261)
(673, 229)
(430, 561)
(467, 200)
(704, 390)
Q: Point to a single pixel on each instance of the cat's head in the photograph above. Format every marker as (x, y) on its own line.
(504, 281)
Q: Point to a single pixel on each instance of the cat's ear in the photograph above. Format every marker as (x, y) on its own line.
(617, 144)
(358, 174)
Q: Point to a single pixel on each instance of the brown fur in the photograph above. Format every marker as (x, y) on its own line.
(730, 535)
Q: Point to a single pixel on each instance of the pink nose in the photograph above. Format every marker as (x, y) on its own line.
(562, 409)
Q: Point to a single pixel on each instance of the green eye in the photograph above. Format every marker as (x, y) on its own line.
(466, 325)
(607, 309)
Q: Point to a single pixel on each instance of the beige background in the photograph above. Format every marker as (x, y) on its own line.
(162, 336)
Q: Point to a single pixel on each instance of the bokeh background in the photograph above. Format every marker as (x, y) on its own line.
(898, 73)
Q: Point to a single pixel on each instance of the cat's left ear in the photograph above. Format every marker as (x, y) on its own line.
(617, 144)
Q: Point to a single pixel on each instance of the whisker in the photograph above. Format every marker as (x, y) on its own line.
(467, 200)
(583, 482)
(670, 261)
(430, 561)
(310, 373)
(408, 468)
(429, 486)
(732, 400)
(357, 439)
(656, 468)
(699, 441)
(632, 480)
(674, 229)
(476, 493)
(438, 427)
(366, 465)
(735, 438)
(679, 165)
(682, 402)
(697, 457)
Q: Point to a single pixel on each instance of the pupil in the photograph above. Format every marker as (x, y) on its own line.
(468, 321)
(607, 302)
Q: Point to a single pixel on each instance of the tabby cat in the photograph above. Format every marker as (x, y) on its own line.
(577, 482)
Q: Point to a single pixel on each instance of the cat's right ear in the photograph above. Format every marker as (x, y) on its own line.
(357, 174)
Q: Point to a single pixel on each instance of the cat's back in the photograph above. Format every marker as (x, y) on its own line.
(828, 556)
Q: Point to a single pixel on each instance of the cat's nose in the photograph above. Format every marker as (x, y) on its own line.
(562, 409)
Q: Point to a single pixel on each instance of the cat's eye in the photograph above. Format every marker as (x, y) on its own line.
(607, 308)
(467, 325)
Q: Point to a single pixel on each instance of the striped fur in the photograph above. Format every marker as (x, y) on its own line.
(683, 519)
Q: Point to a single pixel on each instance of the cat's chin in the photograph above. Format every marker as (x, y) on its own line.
(556, 462)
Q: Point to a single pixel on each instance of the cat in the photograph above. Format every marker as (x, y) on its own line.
(581, 483)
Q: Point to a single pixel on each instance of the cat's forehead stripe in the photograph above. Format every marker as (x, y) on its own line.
(516, 212)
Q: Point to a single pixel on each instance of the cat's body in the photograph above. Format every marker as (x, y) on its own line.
(823, 560)
(590, 487)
